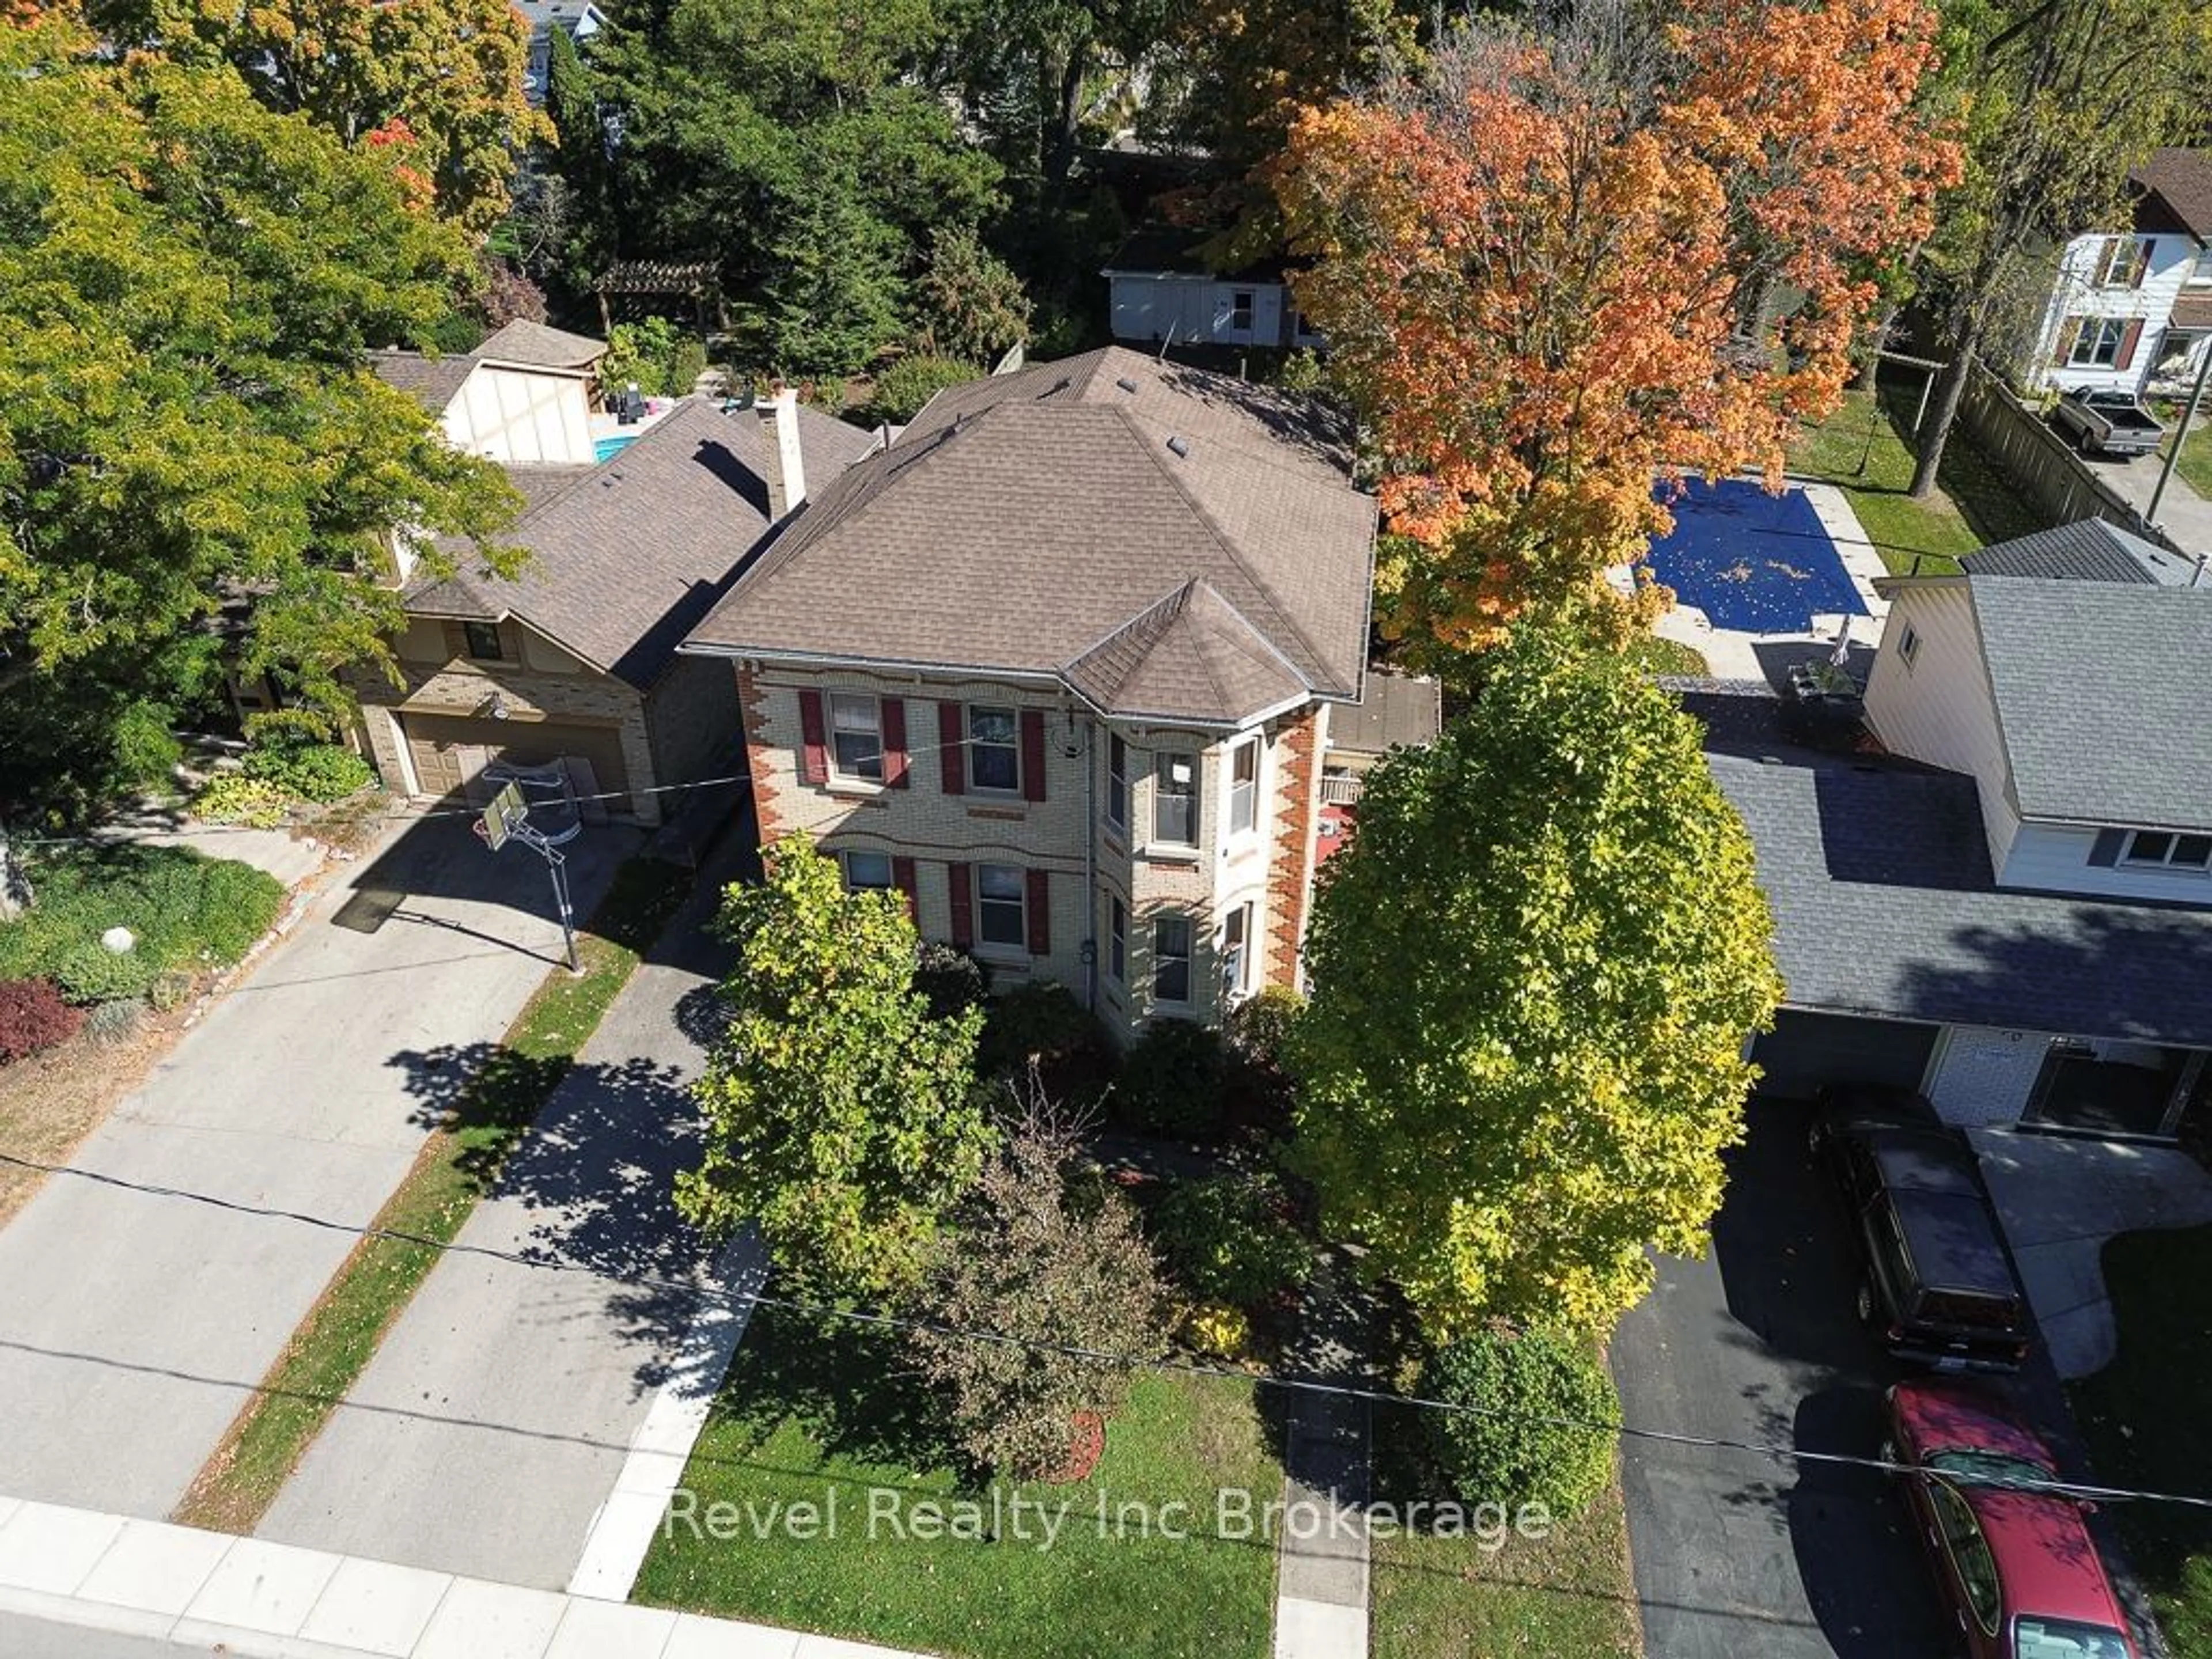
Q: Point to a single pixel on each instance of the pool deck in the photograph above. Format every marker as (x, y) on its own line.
(1734, 654)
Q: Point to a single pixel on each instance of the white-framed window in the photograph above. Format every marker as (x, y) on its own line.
(994, 752)
(1175, 800)
(481, 642)
(1117, 940)
(999, 899)
(1171, 958)
(856, 737)
(2122, 261)
(2097, 343)
(1117, 781)
(868, 872)
(1240, 303)
(1908, 646)
(2168, 851)
(1236, 950)
(1244, 786)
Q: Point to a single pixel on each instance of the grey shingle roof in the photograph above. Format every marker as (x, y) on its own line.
(524, 341)
(1392, 708)
(1024, 522)
(2101, 698)
(2090, 551)
(627, 556)
(1880, 883)
(431, 382)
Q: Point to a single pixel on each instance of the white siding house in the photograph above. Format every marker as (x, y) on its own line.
(522, 415)
(1160, 291)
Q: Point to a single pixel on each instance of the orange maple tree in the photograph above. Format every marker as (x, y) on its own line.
(1557, 269)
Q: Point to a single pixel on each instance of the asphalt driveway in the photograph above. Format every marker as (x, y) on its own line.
(494, 1420)
(1736, 1554)
(132, 1324)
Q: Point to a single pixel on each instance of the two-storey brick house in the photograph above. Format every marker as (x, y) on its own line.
(1058, 665)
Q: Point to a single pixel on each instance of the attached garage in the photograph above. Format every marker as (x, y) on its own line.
(449, 750)
(1805, 1050)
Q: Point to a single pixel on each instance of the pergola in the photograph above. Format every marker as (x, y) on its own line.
(696, 280)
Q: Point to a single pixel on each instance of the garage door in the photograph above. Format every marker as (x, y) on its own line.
(1804, 1051)
(448, 751)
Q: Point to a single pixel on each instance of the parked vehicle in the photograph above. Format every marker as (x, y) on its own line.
(1940, 1284)
(2016, 1567)
(2107, 423)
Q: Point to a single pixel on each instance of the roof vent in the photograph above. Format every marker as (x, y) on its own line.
(1126, 384)
(1179, 447)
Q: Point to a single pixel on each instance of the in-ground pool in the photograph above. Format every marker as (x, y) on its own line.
(1753, 562)
(605, 449)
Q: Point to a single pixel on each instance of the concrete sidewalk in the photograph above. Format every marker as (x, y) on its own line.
(494, 1423)
(133, 1324)
(153, 1590)
(2182, 513)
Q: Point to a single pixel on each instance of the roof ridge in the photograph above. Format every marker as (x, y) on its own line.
(1222, 539)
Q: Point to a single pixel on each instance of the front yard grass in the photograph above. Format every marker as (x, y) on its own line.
(2195, 467)
(2145, 1420)
(1974, 503)
(1570, 1592)
(457, 1164)
(817, 1414)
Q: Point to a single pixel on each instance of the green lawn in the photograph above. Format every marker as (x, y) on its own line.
(1657, 656)
(458, 1162)
(2144, 1417)
(2195, 467)
(1974, 503)
(816, 1416)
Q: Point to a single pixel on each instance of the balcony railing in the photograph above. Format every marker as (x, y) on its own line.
(1340, 788)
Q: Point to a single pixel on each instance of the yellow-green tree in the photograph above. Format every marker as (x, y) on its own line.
(840, 1116)
(1533, 970)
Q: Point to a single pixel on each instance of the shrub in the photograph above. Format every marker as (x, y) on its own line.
(34, 1018)
(907, 384)
(1217, 1329)
(1230, 1238)
(1505, 1451)
(951, 979)
(233, 797)
(320, 772)
(686, 363)
(188, 913)
(1258, 1028)
(1041, 1022)
(1173, 1080)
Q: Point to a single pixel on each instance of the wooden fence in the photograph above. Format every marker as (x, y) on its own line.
(2041, 464)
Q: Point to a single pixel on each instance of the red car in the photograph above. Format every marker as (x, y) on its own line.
(2017, 1569)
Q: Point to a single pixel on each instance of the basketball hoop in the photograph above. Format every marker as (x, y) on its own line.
(502, 818)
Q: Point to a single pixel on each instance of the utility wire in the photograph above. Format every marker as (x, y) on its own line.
(738, 1299)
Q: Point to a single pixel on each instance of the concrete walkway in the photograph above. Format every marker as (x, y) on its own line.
(2060, 1199)
(497, 1418)
(163, 1590)
(1321, 1555)
(133, 1324)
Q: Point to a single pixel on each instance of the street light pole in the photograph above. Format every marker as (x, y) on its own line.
(2181, 433)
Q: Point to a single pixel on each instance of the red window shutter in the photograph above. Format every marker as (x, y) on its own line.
(894, 743)
(952, 747)
(1033, 753)
(1038, 913)
(814, 747)
(902, 878)
(2139, 251)
(2128, 343)
(2067, 334)
(964, 905)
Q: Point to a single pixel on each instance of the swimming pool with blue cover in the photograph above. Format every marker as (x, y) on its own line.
(1753, 562)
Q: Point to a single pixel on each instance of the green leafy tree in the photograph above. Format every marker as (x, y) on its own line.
(2065, 97)
(841, 1118)
(1035, 1264)
(972, 306)
(189, 288)
(1533, 970)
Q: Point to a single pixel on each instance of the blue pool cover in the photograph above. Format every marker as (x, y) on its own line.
(1752, 561)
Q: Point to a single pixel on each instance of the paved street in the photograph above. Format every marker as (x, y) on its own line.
(135, 1322)
(2182, 512)
(494, 1421)
(1735, 1554)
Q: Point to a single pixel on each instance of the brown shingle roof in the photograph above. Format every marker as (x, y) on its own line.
(2180, 182)
(1045, 522)
(627, 556)
(524, 341)
(431, 382)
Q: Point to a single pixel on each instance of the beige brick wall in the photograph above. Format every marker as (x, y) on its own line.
(1266, 867)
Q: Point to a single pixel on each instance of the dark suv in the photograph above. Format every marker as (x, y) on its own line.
(1939, 1284)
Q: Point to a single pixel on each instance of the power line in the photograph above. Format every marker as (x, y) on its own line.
(735, 1299)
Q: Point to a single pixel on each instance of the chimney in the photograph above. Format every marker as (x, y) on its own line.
(786, 471)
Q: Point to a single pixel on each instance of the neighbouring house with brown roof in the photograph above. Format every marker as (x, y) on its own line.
(2131, 310)
(525, 397)
(1060, 664)
(572, 662)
